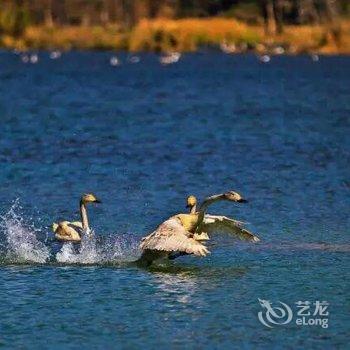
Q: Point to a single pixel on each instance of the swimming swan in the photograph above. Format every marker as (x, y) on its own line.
(177, 234)
(72, 231)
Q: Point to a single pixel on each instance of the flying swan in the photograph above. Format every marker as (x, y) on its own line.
(72, 231)
(185, 234)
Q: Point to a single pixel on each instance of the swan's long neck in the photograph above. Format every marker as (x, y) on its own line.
(193, 209)
(84, 217)
(209, 201)
(205, 204)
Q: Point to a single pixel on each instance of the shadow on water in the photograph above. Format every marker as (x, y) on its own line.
(198, 271)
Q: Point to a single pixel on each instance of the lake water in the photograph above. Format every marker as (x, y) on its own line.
(142, 137)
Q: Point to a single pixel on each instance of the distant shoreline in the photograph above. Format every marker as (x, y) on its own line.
(186, 35)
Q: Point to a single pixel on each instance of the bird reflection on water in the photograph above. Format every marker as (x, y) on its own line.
(187, 279)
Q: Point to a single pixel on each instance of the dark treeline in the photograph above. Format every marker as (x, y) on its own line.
(15, 15)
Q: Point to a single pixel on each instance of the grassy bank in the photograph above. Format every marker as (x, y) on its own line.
(185, 35)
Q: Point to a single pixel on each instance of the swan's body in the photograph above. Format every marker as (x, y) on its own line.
(170, 58)
(54, 55)
(68, 231)
(170, 237)
(228, 48)
(264, 58)
(184, 233)
(114, 61)
(72, 231)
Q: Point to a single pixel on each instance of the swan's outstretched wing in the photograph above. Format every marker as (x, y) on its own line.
(216, 223)
(171, 236)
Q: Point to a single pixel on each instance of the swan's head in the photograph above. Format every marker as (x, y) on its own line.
(89, 198)
(234, 197)
(191, 202)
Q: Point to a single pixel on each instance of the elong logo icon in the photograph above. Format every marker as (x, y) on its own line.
(274, 315)
(283, 314)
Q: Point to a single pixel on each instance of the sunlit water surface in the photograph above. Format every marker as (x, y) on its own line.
(142, 137)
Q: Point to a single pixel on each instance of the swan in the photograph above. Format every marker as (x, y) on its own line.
(25, 58)
(114, 61)
(170, 58)
(228, 48)
(54, 55)
(181, 233)
(315, 57)
(34, 58)
(219, 223)
(264, 58)
(72, 231)
(134, 59)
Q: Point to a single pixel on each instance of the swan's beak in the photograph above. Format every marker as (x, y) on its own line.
(242, 200)
(188, 206)
(97, 201)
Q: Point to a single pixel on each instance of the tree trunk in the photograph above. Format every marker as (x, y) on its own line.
(128, 13)
(59, 9)
(306, 12)
(331, 10)
(278, 13)
(48, 14)
(85, 21)
(331, 15)
(269, 16)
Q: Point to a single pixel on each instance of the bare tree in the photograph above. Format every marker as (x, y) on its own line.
(48, 17)
(278, 9)
(269, 16)
(306, 11)
(129, 12)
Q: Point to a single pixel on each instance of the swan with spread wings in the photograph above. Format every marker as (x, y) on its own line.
(184, 234)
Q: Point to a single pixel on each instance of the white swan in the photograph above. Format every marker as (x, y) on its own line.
(228, 48)
(177, 234)
(264, 58)
(54, 55)
(170, 58)
(73, 231)
(114, 61)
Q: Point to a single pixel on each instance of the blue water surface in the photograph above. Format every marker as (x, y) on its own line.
(142, 137)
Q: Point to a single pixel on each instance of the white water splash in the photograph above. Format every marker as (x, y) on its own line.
(84, 253)
(18, 240)
(19, 243)
(99, 250)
